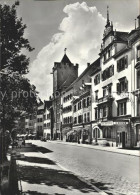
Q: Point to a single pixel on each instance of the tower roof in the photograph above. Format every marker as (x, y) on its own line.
(65, 59)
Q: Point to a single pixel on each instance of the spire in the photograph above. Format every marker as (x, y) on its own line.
(107, 14)
(65, 51)
(65, 58)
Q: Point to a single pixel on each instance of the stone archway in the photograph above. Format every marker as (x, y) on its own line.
(97, 132)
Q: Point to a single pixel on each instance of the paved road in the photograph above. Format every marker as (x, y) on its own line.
(114, 173)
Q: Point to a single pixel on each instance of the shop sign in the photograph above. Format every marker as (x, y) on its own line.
(121, 123)
(108, 123)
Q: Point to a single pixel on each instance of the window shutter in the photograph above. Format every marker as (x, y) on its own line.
(95, 80)
(126, 61)
(118, 88)
(112, 70)
(124, 108)
(118, 110)
(118, 65)
(98, 78)
(126, 85)
(102, 76)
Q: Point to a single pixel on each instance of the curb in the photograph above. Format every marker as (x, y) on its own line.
(95, 148)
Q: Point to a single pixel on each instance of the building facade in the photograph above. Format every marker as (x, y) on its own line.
(114, 104)
(47, 131)
(64, 73)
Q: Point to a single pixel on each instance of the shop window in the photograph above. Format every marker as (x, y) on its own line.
(107, 133)
(121, 108)
(138, 79)
(122, 86)
(122, 63)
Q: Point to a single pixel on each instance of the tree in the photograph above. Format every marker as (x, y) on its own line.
(17, 94)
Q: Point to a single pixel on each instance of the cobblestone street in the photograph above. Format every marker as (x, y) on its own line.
(113, 173)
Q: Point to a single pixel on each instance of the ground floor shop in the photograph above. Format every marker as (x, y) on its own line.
(80, 134)
(118, 133)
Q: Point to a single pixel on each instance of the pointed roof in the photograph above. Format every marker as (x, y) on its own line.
(65, 59)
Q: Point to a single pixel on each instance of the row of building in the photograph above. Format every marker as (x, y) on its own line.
(103, 103)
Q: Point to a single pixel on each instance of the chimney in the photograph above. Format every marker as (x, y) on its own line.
(138, 21)
(88, 64)
(77, 65)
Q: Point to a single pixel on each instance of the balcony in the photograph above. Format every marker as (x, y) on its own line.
(105, 99)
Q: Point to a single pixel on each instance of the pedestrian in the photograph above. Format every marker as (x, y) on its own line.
(20, 142)
(23, 142)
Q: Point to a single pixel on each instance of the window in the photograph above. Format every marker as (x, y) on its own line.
(105, 111)
(85, 118)
(121, 108)
(138, 53)
(75, 120)
(109, 53)
(104, 57)
(96, 113)
(96, 95)
(138, 79)
(79, 105)
(107, 90)
(122, 63)
(122, 86)
(100, 112)
(107, 132)
(80, 119)
(84, 103)
(104, 92)
(138, 107)
(97, 79)
(108, 72)
(44, 124)
(88, 117)
(88, 101)
(75, 108)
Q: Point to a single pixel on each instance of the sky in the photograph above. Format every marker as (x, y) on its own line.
(78, 26)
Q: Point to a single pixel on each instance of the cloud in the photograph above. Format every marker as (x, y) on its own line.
(81, 33)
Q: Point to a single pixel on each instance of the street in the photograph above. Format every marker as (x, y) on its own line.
(110, 172)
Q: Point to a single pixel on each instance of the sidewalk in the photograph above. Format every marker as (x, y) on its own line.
(132, 152)
(38, 174)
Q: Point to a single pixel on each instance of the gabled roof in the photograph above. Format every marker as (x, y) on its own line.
(122, 36)
(92, 67)
(65, 59)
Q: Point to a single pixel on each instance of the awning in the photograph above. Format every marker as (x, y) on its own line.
(70, 132)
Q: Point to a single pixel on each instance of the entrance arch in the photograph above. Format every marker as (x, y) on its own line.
(97, 132)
